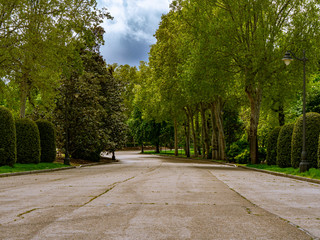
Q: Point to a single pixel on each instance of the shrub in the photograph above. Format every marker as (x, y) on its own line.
(47, 141)
(284, 146)
(312, 137)
(28, 141)
(272, 146)
(8, 151)
(237, 148)
(243, 158)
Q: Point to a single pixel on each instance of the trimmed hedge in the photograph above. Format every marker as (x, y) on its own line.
(319, 153)
(8, 153)
(47, 141)
(284, 146)
(28, 141)
(312, 137)
(272, 146)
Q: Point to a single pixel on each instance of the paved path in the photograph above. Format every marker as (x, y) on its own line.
(142, 197)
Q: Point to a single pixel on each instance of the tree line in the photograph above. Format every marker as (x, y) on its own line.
(216, 77)
(51, 68)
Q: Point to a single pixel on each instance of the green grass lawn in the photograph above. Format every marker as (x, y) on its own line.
(170, 152)
(30, 167)
(312, 173)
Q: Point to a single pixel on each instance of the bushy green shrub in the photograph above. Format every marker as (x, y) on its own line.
(272, 146)
(318, 153)
(243, 158)
(312, 137)
(237, 148)
(28, 141)
(47, 141)
(284, 146)
(7, 138)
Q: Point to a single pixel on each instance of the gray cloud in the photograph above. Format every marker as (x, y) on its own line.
(129, 36)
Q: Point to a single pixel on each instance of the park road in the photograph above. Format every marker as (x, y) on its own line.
(141, 197)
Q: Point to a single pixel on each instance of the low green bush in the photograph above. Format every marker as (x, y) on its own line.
(28, 141)
(243, 158)
(284, 146)
(7, 138)
(47, 141)
(237, 148)
(272, 146)
(312, 138)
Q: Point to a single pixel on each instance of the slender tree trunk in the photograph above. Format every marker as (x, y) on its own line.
(187, 136)
(205, 131)
(281, 115)
(195, 142)
(254, 95)
(187, 133)
(215, 144)
(23, 95)
(198, 132)
(142, 148)
(157, 148)
(113, 156)
(176, 138)
(221, 138)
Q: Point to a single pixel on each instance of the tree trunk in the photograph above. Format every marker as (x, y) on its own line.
(142, 149)
(157, 147)
(113, 156)
(281, 115)
(176, 138)
(187, 133)
(195, 142)
(215, 144)
(221, 138)
(254, 95)
(23, 95)
(205, 131)
(198, 132)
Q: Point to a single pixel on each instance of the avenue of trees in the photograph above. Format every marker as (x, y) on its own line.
(214, 84)
(215, 78)
(51, 68)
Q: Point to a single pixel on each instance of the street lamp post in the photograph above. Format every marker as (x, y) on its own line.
(304, 164)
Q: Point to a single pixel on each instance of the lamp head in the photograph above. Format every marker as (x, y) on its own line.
(287, 58)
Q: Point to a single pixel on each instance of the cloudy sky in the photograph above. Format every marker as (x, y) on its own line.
(129, 36)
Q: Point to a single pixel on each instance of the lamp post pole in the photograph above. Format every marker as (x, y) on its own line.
(304, 164)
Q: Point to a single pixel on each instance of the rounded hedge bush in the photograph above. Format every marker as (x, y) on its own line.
(272, 141)
(312, 137)
(47, 141)
(7, 138)
(284, 146)
(28, 141)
